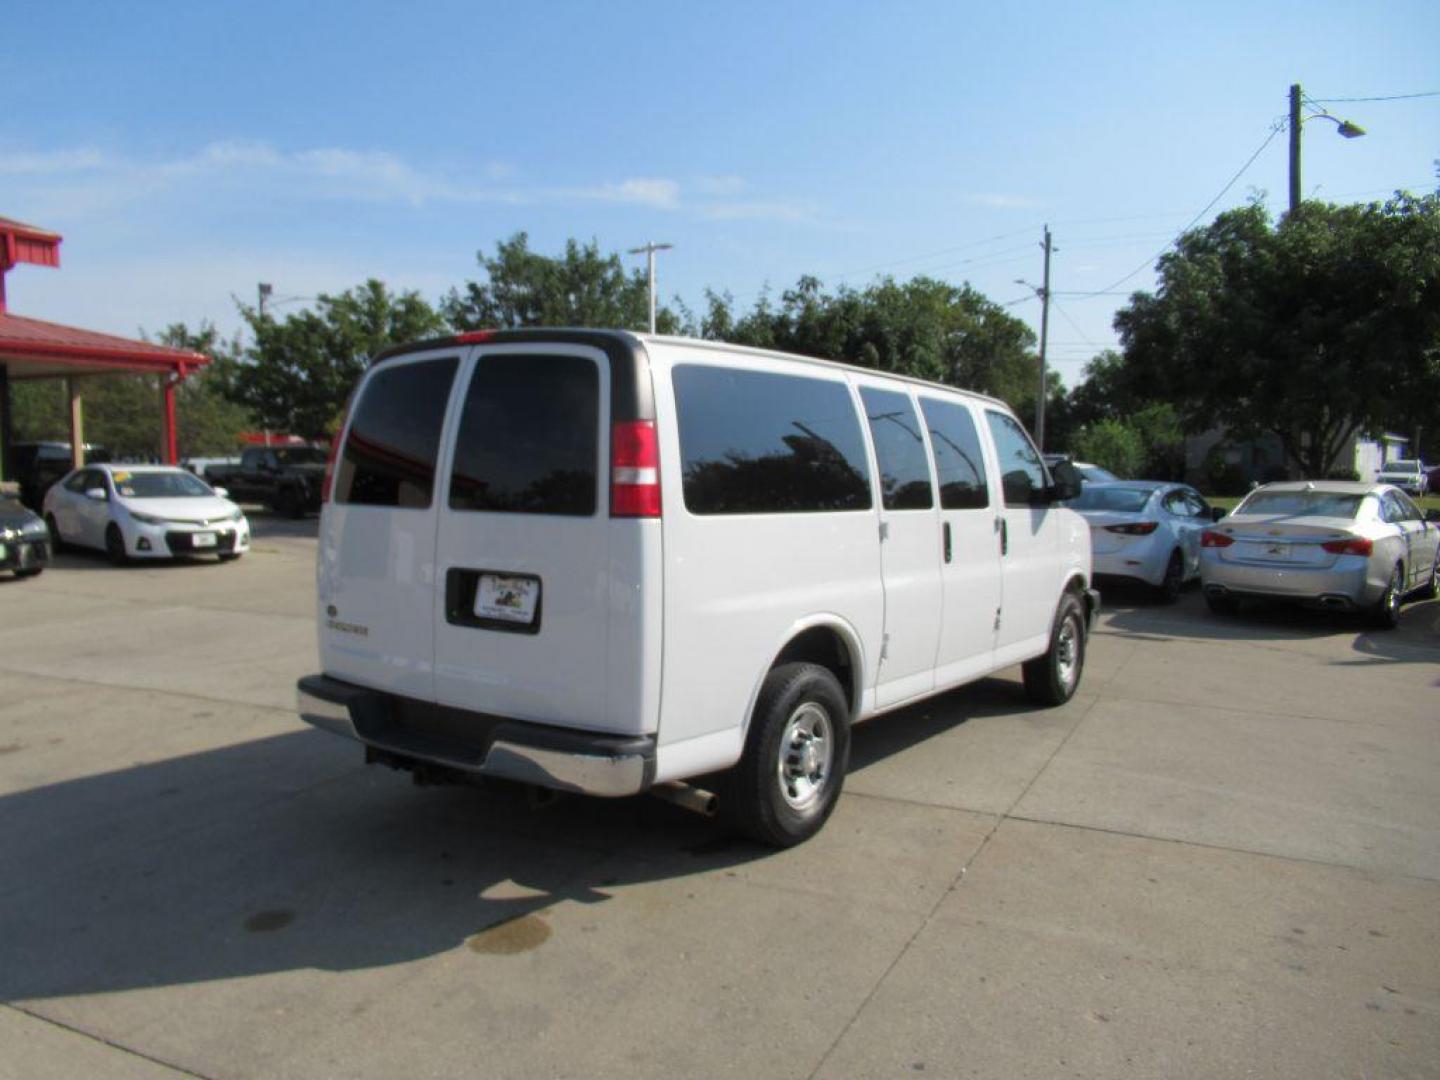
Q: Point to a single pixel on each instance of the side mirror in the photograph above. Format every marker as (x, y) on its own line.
(224, 493)
(1217, 512)
(98, 494)
(1067, 482)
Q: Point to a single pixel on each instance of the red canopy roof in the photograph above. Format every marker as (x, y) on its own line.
(36, 348)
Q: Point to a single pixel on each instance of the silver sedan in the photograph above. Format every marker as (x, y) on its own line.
(1336, 545)
(1145, 530)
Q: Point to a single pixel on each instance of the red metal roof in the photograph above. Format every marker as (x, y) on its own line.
(50, 345)
(22, 243)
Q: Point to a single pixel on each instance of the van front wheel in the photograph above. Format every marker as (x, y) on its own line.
(1053, 678)
(789, 778)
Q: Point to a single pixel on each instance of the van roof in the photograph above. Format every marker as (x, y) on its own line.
(630, 339)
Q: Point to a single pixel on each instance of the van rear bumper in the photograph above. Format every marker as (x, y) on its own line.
(479, 744)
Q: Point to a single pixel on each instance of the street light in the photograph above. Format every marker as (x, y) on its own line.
(649, 250)
(1346, 128)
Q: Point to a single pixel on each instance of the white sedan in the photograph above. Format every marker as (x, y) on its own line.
(145, 512)
(1147, 530)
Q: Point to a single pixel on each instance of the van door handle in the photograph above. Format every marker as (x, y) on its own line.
(1004, 537)
(947, 541)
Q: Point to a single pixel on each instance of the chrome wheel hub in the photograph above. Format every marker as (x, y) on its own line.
(807, 751)
(1067, 652)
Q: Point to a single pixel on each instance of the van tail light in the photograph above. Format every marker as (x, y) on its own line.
(475, 337)
(1358, 545)
(1139, 528)
(634, 470)
(1211, 538)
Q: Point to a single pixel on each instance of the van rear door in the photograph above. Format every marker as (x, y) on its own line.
(544, 605)
(377, 534)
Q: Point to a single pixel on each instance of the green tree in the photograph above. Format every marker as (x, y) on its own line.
(580, 288)
(1326, 323)
(208, 421)
(925, 328)
(297, 375)
(1112, 445)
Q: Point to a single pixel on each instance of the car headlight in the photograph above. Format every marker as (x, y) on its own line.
(147, 519)
(235, 515)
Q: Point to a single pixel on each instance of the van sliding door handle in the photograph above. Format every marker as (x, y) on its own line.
(1004, 537)
(947, 541)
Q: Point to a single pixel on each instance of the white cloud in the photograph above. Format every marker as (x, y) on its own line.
(44, 163)
(1004, 202)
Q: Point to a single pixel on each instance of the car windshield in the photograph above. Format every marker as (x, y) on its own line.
(301, 455)
(171, 484)
(1120, 500)
(1334, 504)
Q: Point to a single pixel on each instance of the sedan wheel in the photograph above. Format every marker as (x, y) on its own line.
(1386, 614)
(115, 545)
(1174, 582)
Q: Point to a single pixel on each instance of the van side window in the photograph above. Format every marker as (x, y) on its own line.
(1022, 474)
(389, 456)
(529, 437)
(959, 461)
(899, 450)
(754, 442)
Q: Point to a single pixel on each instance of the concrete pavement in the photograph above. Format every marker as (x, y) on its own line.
(1222, 859)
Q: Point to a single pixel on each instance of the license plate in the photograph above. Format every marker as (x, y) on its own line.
(507, 599)
(200, 540)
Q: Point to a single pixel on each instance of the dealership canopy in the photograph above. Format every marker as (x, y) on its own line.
(35, 349)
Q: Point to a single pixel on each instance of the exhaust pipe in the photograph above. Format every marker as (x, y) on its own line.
(694, 799)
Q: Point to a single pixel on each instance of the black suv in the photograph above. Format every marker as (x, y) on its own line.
(37, 465)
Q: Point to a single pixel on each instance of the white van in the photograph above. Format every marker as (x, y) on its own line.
(607, 562)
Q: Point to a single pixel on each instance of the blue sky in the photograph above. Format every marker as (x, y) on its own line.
(188, 151)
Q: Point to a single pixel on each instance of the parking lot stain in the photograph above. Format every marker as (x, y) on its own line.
(511, 937)
(10, 748)
(264, 922)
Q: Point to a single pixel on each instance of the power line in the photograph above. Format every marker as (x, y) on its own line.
(1275, 129)
(934, 254)
(1385, 97)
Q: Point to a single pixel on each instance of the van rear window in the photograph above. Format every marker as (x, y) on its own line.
(389, 456)
(529, 437)
(754, 442)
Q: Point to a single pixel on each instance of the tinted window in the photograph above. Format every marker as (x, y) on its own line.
(1021, 473)
(529, 437)
(1302, 504)
(1121, 500)
(899, 450)
(959, 461)
(757, 443)
(389, 457)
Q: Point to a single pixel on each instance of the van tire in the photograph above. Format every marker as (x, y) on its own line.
(1053, 678)
(800, 717)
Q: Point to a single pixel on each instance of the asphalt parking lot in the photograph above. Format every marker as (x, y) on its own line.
(1222, 859)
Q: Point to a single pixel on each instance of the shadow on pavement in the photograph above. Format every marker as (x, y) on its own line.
(282, 854)
(1416, 639)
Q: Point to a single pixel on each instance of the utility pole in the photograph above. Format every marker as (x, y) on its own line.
(1044, 337)
(264, 289)
(1294, 147)
(1043, 292)
(649, 251)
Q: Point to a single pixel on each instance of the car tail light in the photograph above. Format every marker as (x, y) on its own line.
(1139, 528)
(1210, 538)
(1358, 545)
(634, 470)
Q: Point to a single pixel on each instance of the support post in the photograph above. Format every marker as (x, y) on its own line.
(167, 401)
(77, 423)
(7, 433)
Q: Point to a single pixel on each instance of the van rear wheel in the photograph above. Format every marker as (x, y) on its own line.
(1052, 679)
(789, 778)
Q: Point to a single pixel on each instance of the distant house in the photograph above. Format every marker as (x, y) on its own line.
(1214, 461)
